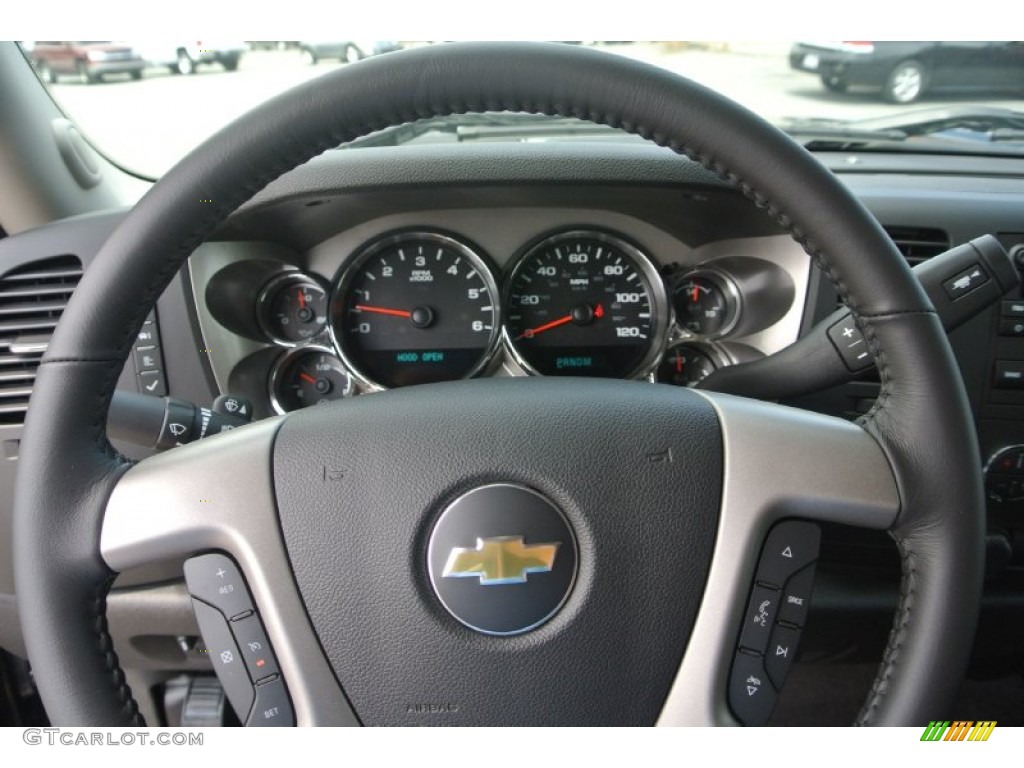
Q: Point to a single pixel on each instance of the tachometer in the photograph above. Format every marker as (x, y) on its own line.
(414, 308)
(585, 303)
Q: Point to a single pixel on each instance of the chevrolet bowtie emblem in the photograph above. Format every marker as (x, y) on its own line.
(501, 560)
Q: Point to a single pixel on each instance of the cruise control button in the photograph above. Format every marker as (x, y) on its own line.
(790, 546)
(225, 657)
(751, 695)
(849, 343)
(758, 620)
(216, 580)
(796, 597)
(259, 658)
(963, 283)
(781, 650)
(272, 707)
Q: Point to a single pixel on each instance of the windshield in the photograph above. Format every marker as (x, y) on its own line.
(147, 103)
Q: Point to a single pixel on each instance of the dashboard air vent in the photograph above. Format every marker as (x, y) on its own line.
(918, 244)
(32, 298)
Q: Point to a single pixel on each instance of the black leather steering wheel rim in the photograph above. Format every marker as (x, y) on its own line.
(68, 468)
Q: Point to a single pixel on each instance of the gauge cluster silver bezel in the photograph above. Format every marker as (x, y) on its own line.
(342, 257)
(352, 265)
(284, 360)
(660, 308)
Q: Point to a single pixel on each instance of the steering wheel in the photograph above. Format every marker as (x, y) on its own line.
(333, 517)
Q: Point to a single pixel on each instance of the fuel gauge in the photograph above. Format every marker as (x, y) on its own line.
(308, 376)
(293, 309)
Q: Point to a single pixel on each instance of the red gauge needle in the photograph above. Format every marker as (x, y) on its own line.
(384, 311)
(302, 299)
(531, 332)
(306, 377)
(679, 363)
(582, 314)
(696, 294)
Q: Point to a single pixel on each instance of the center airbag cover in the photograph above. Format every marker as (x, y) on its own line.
(634, 470)
(502, 559)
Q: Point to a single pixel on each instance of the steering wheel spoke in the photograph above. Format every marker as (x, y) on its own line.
(217, 496)
(780, 463)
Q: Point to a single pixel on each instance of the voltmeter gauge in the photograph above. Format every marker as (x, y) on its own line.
(707, 304)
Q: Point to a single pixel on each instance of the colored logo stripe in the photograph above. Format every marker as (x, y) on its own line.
(982, 730)
(959, 730)
(935, 730)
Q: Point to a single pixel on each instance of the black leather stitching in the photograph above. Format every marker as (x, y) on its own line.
(105, 646)
(884, 374)
(106, 642)
(880, 686)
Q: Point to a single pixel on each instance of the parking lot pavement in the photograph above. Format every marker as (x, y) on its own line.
(147, 125)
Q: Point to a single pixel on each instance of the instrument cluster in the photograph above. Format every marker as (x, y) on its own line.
(422, 305)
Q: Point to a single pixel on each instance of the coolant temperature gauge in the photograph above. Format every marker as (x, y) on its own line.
(293, 309)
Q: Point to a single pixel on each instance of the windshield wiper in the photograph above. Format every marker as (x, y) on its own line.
(951, 129)
(487, 126)
(828, 136)
(988, 123)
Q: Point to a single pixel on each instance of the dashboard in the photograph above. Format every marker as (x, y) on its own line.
(410, 298)
(603, 259)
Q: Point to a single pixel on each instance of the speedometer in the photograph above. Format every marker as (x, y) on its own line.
(585, 303)
(414, 308)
